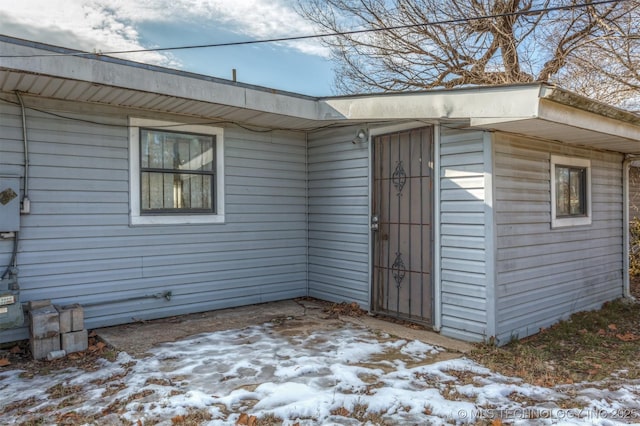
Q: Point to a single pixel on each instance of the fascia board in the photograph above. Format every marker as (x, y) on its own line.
(481, 105)
(574, 117)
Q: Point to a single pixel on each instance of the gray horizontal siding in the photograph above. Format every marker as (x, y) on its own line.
(338, 217)
(463, 241)
(77, 247)
(544, 274)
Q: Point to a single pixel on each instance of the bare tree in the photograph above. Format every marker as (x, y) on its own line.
(608, 67)
(424, 44)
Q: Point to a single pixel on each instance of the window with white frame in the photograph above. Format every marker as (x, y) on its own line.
(570, 191)
(175, 173)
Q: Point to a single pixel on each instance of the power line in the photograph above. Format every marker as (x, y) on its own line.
(325, 35)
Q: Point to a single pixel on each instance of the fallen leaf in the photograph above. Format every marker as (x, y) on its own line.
(243, 419)
(496, 422)
(253, 421)
(627, 337)
(612, 327)
(100, 345)
(601, 332)
(342, 412)
(583, 331)
(4, 362)
(15, 350)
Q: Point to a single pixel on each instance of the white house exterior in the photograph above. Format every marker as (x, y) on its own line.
(486, 213)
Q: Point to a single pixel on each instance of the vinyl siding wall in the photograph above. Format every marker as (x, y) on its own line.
(77, 247)
(338, 217)
(464, 233)
(545, 274)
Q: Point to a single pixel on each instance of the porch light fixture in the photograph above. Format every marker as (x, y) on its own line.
(361, 137)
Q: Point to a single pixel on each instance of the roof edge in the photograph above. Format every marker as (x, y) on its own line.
(149, 67)
(574, 100)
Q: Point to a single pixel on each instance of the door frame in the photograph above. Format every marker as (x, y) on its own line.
(436, 322)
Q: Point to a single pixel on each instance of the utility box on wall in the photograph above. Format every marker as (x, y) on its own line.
(9, 204)
(11, 314)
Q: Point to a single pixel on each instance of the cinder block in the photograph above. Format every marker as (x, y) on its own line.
(77, 318)
(64, 317)
(44, 323)
(71, 318)
(37, 304)
(75, 341)
(41, 347)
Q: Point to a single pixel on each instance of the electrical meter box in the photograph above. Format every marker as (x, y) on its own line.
(9, 203)
(11, 314)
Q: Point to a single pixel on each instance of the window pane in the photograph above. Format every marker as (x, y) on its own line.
(151, 150)
(197, 191)
(562, 191)
(571, 195)
(156, 188)
(145, 199)
(176, 151)
(176, 191)
(577, 181)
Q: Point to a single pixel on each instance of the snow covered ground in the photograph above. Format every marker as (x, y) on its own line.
(341, 376)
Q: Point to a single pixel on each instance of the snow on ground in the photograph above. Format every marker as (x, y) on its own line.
(344, 376)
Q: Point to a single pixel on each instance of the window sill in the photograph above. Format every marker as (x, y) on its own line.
(570, 221)
(176, 219)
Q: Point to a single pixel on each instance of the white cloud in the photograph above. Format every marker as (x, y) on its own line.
(112, 25)
(74, 24)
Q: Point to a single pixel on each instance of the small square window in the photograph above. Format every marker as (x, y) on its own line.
(570, 191)
(176, 173)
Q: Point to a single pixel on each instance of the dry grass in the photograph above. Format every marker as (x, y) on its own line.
(634, 286)
(21, 405)
(589, 346)
(60, 390)
(361, 413)
(193, 418)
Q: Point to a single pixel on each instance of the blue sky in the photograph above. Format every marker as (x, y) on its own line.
(108, 25)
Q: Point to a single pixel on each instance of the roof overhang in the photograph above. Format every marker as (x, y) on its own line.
(533, 110)
(59, 73)
(536, 110)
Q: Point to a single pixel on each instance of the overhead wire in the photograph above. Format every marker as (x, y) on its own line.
(262, 129)
(325, 35)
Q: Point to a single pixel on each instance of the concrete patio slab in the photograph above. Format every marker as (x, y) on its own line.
(298, 316)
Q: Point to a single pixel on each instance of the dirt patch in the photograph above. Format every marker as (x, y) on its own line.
(590, 346)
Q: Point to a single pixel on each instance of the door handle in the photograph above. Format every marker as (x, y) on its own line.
(374, 222)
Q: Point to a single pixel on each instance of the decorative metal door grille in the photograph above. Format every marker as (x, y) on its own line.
(402, 205)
